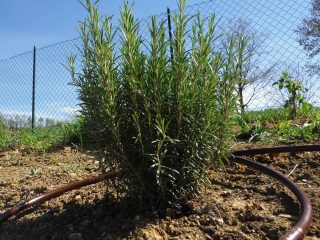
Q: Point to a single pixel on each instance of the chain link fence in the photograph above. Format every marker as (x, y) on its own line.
(273, 48)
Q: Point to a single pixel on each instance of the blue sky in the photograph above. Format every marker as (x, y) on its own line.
(25, 23)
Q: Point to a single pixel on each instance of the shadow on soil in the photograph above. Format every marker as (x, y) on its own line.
(75, 221)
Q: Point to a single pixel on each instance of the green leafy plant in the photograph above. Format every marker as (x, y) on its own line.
(34, 172)
(160, 122)
(290, 131)
(316, 128)
(250, 131)
(295, 90)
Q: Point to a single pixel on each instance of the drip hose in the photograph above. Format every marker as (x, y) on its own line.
(298, 231)
(53, 194)
(301, 227)
(278, 149)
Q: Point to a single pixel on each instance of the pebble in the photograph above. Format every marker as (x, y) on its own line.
(288, 216)
(170, 212)
(70, 227)
(271, 218)
(108, 237)
(78, 198)
(220, 221)
(73, 175)
(208, 237)
(225, 194)
(86, 223)
(197, 222)
(75, 236)
(171, 228)
(273, 233)
(137, 218)
(246, 229)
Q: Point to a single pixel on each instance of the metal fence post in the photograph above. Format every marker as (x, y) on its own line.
(170, 33)
(33, 89)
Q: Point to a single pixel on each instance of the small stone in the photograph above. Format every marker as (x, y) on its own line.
(184, 219)
(271, 218)
(192, 224)
(78, 198)
(208, 237)
(73, 175)
(137, 218)
(306, 176)
(75, 236)
(170, 212)
(220, 221)
(174, 223)
(273, 233)
(70, 227)
(86, 223)
(246, 229)
(288, 217)
(225, 194)
(171, 228)
(234, 222)
(229, 222)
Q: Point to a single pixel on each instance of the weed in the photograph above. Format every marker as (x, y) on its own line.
(290, 131)
(295, 90)
(41, 139)
(34, 172)
(73, 168)
(250, 132)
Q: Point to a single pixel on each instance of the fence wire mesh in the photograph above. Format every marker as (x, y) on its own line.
(273, 48)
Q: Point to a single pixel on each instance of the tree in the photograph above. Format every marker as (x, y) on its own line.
(309, 31)
(251, 73)
(309, 36)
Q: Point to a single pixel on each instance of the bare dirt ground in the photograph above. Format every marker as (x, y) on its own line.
(241, 203)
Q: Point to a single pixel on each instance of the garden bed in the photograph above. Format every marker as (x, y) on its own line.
(241, 203)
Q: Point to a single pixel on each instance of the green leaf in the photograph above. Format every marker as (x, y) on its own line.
(306, 107)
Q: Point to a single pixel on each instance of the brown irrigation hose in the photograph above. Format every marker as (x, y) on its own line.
(279, 149)
(296, 233)
(300, 229)
(53, 194)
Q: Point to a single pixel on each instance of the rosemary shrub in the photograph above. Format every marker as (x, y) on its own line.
(161, 122)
